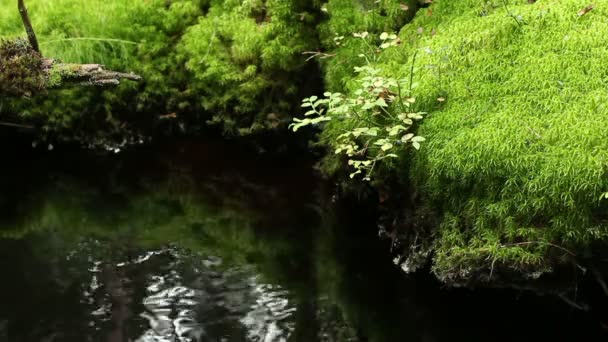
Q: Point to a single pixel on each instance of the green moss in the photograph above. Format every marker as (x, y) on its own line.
(246, 58)
(21, 71)
(517, 156)
(58, 73)
(138, 36)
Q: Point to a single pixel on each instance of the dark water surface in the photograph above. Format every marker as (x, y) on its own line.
(204, 241)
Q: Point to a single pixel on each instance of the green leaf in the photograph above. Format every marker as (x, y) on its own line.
(383, 35)
(418, 139)
(380, 142)
(319, 102)
(319, 119)
(416, 145)
(407, 137)
(386, 147)
(306, 104)
(395, 130)
(367, 105)
(299, 123)
(380, 102)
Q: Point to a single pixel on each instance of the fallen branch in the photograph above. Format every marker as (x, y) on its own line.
(24, 71)
(15, 125)
(83, 74)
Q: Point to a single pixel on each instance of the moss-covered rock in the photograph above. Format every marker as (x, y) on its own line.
(517, 155)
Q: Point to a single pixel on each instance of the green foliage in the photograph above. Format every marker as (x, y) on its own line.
(20, 68)
(368, 124)
(342, 18)
(518, 150)
(373, 129)
(246, 59)
(234, 63)
(138, 36)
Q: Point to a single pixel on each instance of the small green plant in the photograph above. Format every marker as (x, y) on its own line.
(379, 114)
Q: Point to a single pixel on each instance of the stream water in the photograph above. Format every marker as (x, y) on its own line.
(208, 241)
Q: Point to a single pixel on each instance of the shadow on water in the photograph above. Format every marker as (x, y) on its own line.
(206, 241)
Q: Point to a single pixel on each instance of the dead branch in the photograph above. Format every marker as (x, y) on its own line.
(85, 74)
(25, 72)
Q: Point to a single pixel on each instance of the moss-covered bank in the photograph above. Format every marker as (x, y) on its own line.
(515, 161)
(234, 63)
(510, 177)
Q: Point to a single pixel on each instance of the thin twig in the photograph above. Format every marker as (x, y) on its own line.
(600, 280)
(10, 124)
(107, 40)
(572, 303)
(31, 35)
(492, 268)
(540, 243)
(532, 243)
(321, 55)
(412, 71)
(534, 132)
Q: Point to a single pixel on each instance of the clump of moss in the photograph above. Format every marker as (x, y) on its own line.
(21, 69)
(517, 150)
(246, 60)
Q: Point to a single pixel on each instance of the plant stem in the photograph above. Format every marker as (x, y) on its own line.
(363, 118)
(412, 70)
(31, 35)
(401, 104)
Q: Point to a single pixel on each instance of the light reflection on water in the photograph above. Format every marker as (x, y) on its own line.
(250, 210)
(187, 298)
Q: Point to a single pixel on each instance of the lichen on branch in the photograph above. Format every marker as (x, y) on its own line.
(24, 72)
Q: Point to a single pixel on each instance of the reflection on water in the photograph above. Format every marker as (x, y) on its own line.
(209, 242)
(191, 298)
